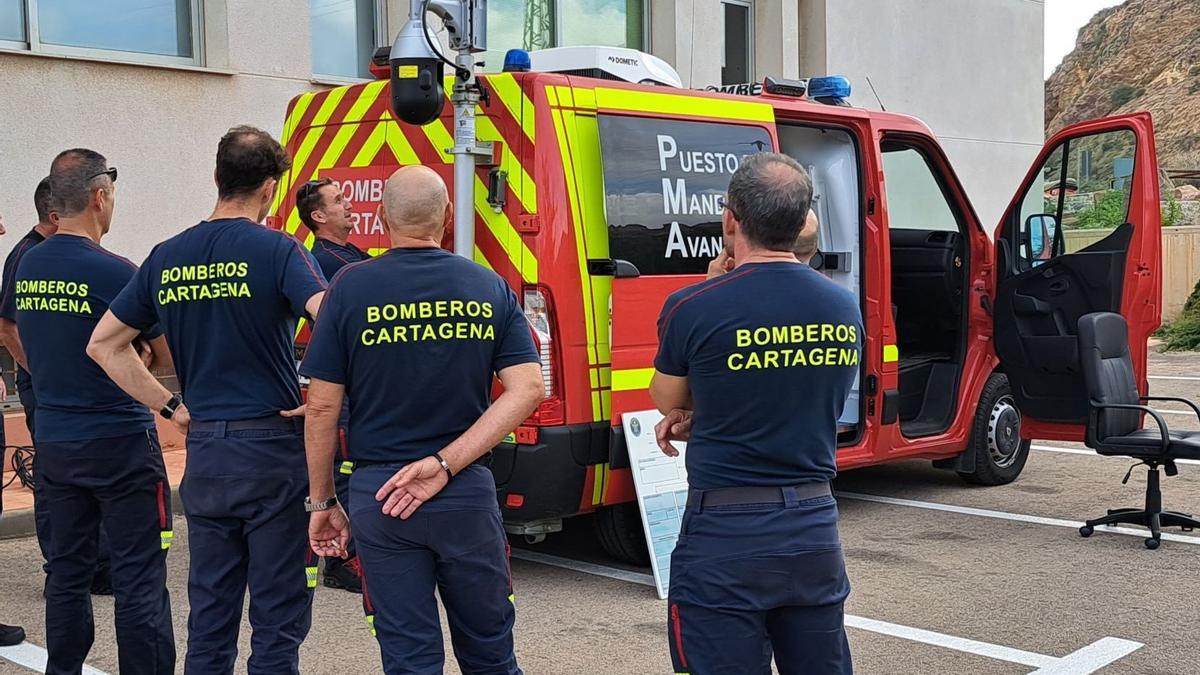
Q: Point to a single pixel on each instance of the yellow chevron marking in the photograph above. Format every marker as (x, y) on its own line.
(346, 129)
(515, 100)
(521, 182)
(293, 120)
(503, 230)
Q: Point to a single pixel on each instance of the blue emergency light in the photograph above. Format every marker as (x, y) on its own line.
(516, 61)
(831, 86)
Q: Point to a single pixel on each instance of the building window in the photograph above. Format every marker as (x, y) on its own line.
(345, 34)
(739, 43)
(152, 31)
(12, 21)
(540, 24)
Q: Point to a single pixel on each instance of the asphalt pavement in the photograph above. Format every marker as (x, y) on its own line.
(947, 578)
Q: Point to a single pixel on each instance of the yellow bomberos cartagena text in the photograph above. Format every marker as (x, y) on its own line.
(188, 283)
(52, 295)
(814, 344)
(471, 324)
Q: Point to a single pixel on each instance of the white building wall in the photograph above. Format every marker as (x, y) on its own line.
(970, 69)
(159, 126)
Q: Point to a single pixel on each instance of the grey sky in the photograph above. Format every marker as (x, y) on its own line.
(1064, 18)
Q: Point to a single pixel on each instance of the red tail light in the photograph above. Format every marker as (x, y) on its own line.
(539, 310)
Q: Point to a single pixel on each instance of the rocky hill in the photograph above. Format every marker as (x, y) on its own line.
(1141, 55)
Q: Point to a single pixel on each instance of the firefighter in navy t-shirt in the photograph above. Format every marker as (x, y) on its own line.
(756, 365)
(423, 508)
(228, 293)
(326, 212)
(43, 230)
(98, 455)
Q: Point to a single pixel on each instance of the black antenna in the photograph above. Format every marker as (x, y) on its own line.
(877, 99)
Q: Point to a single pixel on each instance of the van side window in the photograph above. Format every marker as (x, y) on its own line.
(1084, 184)
(664, 186)
(915, 200)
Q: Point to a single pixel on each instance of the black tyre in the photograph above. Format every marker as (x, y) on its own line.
(619, 529)
(1000, 454)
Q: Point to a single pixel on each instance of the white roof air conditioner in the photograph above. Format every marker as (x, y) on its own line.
(614, 63)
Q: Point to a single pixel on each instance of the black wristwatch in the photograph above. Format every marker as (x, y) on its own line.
(171, 406)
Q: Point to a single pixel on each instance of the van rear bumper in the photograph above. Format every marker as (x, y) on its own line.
(548, 478)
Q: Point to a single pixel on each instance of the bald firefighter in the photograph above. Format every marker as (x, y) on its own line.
(422, 501)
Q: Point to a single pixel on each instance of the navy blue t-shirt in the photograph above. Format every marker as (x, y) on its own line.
(228, 294)
(62, 289)
(770, 351)
(8, 303)
(332, 256)
(416, 335)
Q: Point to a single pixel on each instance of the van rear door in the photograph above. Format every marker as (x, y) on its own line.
(665, 183)
(1097, 174)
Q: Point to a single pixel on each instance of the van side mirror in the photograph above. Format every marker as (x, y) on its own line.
(1037, 235)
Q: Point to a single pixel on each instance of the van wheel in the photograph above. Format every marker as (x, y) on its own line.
(1000, 453)
(619, 529)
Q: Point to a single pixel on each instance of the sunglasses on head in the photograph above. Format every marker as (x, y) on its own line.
(110, 172)
(308, 188)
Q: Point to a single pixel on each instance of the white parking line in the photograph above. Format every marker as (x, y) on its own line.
(1080, 662)
(1185, 378)
(1092, 453)
(1092, 657)
(1189, 413)
(1005, 515)
(34, 658)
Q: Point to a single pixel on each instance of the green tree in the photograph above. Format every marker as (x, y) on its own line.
(1109, 212)
(1184, 334)
(1172, 211)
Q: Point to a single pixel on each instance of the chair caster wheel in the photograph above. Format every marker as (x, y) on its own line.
(1086, 531)
(1152, 543)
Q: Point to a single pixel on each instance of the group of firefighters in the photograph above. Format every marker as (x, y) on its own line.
(394, 437)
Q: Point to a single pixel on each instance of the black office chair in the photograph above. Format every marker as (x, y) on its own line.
(1114, 424)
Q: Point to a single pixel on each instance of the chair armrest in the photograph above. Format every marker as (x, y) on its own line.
(1195, 408)
(1158, 419)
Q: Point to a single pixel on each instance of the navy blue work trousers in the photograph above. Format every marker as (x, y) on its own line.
(752, 580)
(120, 483)
(454, 543)
(243, 495)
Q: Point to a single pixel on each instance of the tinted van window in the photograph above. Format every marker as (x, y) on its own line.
(664, 185)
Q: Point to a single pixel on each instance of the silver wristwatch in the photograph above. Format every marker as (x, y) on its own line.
(309, 506)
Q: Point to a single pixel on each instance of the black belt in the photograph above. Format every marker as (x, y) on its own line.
(259, 424)
(735, 496)
(485, 461)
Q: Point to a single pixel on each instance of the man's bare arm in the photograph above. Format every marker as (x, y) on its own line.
(12, 340)
(420, 481)
(321, 436)
(670, 392)
(111, 346)
(162, 365)
(523, 391)
(313, 306)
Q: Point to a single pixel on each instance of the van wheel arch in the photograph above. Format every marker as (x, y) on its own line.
(995, 453)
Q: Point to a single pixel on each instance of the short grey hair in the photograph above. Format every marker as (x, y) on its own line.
(74, 174)
(770, 195)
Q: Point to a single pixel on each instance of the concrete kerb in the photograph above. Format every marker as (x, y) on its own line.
(20, 522)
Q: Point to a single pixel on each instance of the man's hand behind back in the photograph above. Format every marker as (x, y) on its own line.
(676, 426)
(411, 487)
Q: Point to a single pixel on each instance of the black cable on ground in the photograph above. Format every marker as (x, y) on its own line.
(22, 464)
